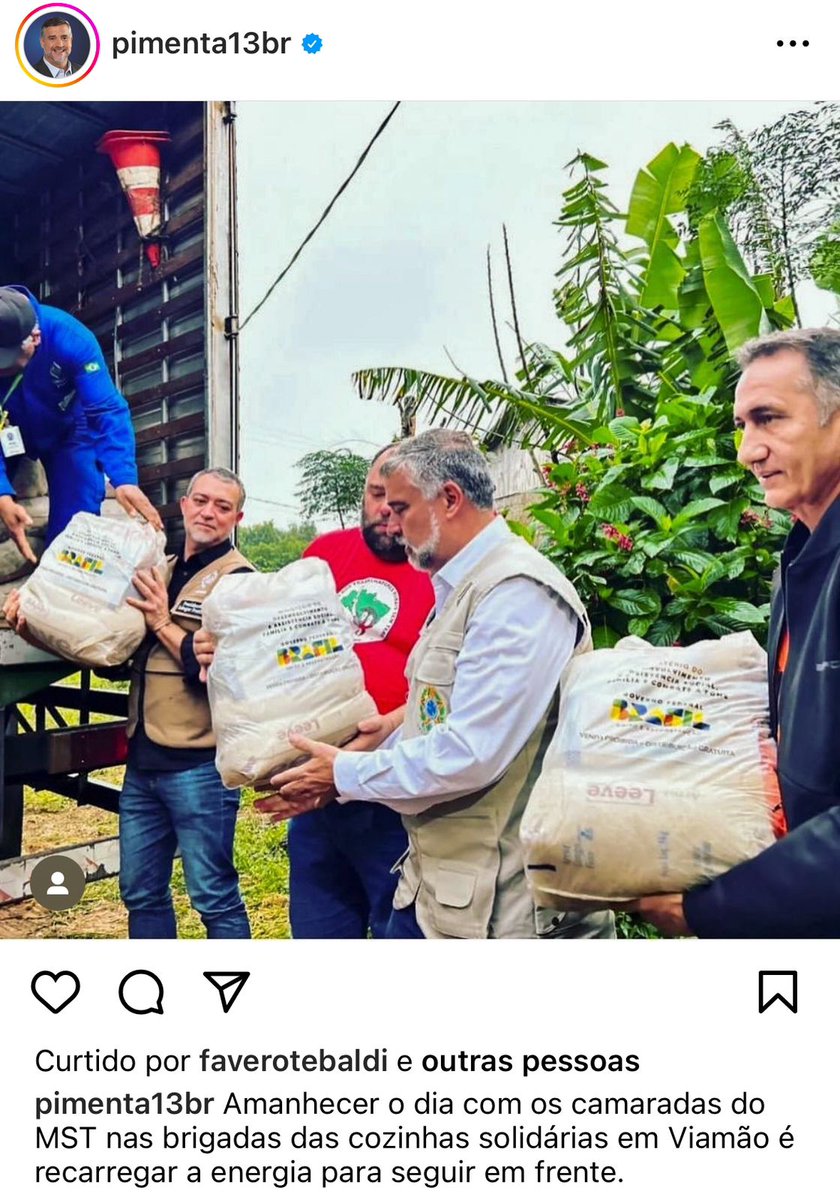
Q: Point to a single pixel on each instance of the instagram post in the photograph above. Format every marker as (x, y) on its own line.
(419, 470)
(603, 451)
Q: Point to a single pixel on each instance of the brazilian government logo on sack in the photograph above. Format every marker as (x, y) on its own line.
(57, 46)
(433, 709)
(82, 562)
(288, 656)
(670, 718)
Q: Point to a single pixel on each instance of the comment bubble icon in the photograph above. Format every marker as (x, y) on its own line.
(141, 992)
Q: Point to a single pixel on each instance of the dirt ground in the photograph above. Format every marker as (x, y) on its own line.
(99, 916)
(52, 822)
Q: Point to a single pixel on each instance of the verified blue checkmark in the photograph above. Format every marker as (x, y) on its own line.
(312, 43)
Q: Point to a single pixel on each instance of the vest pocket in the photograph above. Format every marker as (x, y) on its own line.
(450, 894)
(437, 667)
(456, 898)
(454, 887)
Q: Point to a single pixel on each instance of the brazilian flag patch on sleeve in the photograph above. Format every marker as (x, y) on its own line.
(91, 368)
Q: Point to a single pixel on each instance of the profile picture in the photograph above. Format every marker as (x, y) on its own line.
(57, 46)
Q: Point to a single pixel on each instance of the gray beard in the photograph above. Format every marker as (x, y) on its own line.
(421, 559)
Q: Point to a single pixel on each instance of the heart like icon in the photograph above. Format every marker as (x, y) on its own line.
(55, 990)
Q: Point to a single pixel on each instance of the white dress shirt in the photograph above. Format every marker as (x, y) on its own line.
(57, 72)
(518, 641)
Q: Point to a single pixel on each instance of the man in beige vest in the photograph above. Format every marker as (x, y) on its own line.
(173, 795)
(483, 693)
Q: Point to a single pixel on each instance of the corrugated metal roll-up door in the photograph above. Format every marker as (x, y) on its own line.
(168, 334)
(169, 337)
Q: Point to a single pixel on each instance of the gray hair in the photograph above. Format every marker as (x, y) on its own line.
(55, 19)
(441, 456)
(226, 476)
(821, 350)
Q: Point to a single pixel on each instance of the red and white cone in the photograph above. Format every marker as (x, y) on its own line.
(136, 158)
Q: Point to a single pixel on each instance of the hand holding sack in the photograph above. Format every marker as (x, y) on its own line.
(284, 664)
(661, 774)
(74, 602)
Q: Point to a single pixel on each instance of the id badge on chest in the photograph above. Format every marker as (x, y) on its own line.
(11, 441)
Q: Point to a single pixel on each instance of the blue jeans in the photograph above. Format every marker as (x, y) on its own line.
(340, 882)
(159, 812)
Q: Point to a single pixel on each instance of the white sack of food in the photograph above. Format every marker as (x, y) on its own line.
(113, 509)
(74, 602)
(661, 773)
(284, 664)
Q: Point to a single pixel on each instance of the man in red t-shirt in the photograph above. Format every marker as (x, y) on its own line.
(341, 855)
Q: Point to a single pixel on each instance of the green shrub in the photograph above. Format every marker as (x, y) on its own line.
(662, 532)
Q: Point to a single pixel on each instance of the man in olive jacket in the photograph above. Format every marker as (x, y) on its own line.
(173, 795)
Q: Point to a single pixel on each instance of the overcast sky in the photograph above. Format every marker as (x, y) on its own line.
(397, 274)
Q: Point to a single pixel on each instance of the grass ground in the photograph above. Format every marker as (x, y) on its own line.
(260, 852)
(51, 822)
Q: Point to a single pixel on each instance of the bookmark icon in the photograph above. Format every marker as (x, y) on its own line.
(778, 986)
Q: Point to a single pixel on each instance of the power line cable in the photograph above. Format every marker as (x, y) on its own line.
(323, 216)
(281, 439)
(259, 433)
(273, 503)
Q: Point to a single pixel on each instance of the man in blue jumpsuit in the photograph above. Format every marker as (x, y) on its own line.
(59, 404)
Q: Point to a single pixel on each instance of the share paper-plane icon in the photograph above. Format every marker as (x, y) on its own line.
(228, 984)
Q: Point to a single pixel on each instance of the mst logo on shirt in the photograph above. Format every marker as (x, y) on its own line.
(373, 605)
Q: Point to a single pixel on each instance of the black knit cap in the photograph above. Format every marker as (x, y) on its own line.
(17, 320)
